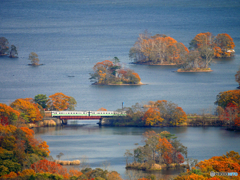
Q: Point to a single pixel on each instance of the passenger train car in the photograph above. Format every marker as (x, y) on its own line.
(88, 113)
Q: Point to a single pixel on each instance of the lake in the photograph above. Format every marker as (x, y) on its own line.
(85, 140)
(70, 36)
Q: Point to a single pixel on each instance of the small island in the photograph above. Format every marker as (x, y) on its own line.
(161, 151)
(33, 57)
(203, 48)
(4, 48)
(162, 50)
(157, 50)
(113, 73)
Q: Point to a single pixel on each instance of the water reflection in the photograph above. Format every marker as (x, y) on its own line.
(109, 144)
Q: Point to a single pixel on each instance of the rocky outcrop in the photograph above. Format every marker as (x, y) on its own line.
(74, 162)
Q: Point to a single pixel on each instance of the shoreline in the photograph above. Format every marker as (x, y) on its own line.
(193, 71)
(150, 64)
(139, 84)
(35, 65)
(154, 167)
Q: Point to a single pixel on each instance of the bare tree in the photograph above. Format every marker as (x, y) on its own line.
(33, 57)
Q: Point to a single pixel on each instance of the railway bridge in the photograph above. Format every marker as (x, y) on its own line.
(64, 116)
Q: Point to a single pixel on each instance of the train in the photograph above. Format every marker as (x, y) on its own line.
(88, 113)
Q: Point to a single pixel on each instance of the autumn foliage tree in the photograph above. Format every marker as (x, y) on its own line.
(108, 72)
(229, 114)
(49, 166)
(58, 101)
(152, 117)
(8, 115)
(229, 107)
(222, 45)
(33, 57)
(19, 149)
(28, 109)
(165, 113)
(226, 97)
(226, 163)
(160, 148)
(157, 49)
(102, 109)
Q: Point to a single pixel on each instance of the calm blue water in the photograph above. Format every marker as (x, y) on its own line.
(71, 36)
(108, 144)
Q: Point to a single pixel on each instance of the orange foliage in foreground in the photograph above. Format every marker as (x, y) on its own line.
(49, 166)
(74, 172)
(28, 108)
(26, 172)
(226, 163)
(7, 114)
(11, 175)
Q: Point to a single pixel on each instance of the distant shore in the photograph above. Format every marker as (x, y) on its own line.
(194, 70)
(139, 84)
(151, 64)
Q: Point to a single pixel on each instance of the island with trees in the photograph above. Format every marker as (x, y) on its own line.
(157, 50)
(113, 73)
(33, 57)
(160, 151)
(4, 48)
(203, 48)
(162, 113)
(154, 114)
(163, 50)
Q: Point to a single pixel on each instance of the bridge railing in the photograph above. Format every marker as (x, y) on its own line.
(88, 113)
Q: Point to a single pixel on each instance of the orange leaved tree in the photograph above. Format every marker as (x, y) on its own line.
(58, 101)
(225, 43)
(102, 109)
(226, 97)
(8, 115)
(158, 49)
(28, 109)
(201, 40)
(160, 148)
(108, 72)
(49, 166)
(152, 117)
(226, 163)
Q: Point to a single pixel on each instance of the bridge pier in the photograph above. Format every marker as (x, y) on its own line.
(64, 122)
(106, 121)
